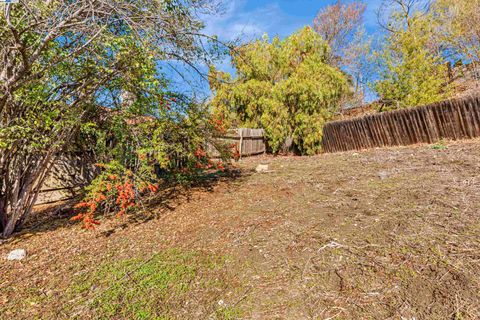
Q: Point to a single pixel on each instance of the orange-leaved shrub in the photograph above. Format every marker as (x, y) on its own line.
(170, 148)
(116, 190)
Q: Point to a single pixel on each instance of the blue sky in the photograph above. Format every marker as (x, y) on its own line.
(249, 19)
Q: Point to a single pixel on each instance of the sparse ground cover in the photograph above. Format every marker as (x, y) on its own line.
(380, 234)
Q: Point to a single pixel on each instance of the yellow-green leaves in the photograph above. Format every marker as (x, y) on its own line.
(459, 27)
(284, 86)
(414, 73)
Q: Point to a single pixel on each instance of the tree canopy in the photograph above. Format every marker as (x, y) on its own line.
(285, 86)
(341, 26)
(459, 27)
(65, 63)
(413, 71)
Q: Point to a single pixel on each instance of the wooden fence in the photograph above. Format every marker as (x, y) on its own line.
(452, 119)
(68, 176)
(249, 142)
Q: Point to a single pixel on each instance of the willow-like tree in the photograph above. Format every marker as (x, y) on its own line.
(413, 71)
(285, 86)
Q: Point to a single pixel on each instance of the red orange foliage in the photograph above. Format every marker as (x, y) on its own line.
(114, 192)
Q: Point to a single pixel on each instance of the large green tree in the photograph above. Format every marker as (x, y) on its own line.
(412, 71)
(285, 86)
(63, 62)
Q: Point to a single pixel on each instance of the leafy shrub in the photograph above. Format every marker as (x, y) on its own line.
(285, 86)
(140, 154)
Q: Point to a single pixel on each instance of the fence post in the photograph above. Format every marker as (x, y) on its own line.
(264, 140)
(241, 142)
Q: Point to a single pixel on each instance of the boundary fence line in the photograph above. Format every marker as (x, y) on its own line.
(451, 119)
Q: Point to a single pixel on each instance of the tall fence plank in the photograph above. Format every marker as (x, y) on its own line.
(452, 119)
(249, 142)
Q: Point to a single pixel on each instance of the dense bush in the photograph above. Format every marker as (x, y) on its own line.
(140, 154)
(285, 86)
(413, 73)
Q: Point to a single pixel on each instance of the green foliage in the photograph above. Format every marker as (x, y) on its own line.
(135, 289)
(413, 72)
(66, 93)
(284, 86)
(440, 145)
(140, 154)
(147, 137)
(459, 28)
(81, 78)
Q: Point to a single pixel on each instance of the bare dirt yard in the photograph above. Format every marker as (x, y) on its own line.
(379, 234)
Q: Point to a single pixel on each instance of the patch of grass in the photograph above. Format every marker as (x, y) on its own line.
(228, 313)
(440, 145)
(152, 289)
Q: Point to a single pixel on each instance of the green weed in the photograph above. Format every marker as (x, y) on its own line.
(137, 289)
(440, 145)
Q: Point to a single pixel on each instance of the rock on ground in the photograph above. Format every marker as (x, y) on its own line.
(262, 168)
(17, 254)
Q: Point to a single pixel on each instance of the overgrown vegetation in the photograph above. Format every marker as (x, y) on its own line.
(285, 86)
(87, 78)
(139, 155)
(70, 69)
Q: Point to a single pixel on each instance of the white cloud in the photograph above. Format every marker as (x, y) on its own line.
(245, 30)
(239, 22)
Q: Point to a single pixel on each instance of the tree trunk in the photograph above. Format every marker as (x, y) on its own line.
(17, 215)
(16, 205)
(10, 227)
(287, 146)
(18, 210)
(3, 215)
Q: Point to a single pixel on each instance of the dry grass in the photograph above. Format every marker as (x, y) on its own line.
(380, 234)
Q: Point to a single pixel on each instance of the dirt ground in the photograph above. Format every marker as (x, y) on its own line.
(378, 234)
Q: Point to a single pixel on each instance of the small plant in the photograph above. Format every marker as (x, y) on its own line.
(228, 313)
(204, 162)
(440, 145)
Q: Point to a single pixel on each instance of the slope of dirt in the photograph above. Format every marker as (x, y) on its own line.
(380, 234)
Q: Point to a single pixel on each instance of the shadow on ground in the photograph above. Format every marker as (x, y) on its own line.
(55, 216)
